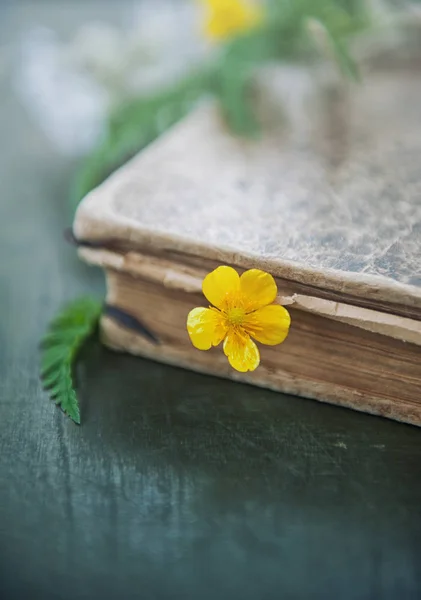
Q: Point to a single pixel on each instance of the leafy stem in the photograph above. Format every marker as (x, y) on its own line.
(65, 336)
(228, 77)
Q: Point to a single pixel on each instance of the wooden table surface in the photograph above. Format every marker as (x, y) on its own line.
(176, 485)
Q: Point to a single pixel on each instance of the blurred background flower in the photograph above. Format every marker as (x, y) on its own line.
(226, 18)
(107, 82)
(71, 85)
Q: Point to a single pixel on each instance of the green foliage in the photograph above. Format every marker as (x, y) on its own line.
(135, 125)
(283, 35)
(60, 346)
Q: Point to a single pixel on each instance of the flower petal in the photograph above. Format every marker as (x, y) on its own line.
(258, 289)
(242, 352)
(206, 327)
(268, 325)
(220, 285)
(227, 18)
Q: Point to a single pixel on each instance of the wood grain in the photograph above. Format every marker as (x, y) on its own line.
(176, 485)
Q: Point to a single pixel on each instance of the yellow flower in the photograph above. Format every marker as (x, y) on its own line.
(229, 17)
(242, 309)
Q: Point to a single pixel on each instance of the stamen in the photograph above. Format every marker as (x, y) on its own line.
(236, 316)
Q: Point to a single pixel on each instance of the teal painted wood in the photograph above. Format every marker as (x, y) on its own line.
(176, 485)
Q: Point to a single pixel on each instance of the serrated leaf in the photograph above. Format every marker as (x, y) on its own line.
(51, 379)
(76, 314)
(65, 397)
(71, 406)
(53, 357)
(55, 390)
(66, 334)
(54, 339)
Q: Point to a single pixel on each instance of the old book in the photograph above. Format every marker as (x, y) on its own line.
(328, 201)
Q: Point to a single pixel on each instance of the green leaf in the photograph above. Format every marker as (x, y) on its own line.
(135, 125)
(234, 95)
(56, 339)
(51, 358)
(65, 336)
(340, 51)
(51, 379)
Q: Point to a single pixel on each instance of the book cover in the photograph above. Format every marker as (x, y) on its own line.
(327, 201)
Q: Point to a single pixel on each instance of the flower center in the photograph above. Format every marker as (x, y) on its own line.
(235, 316)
